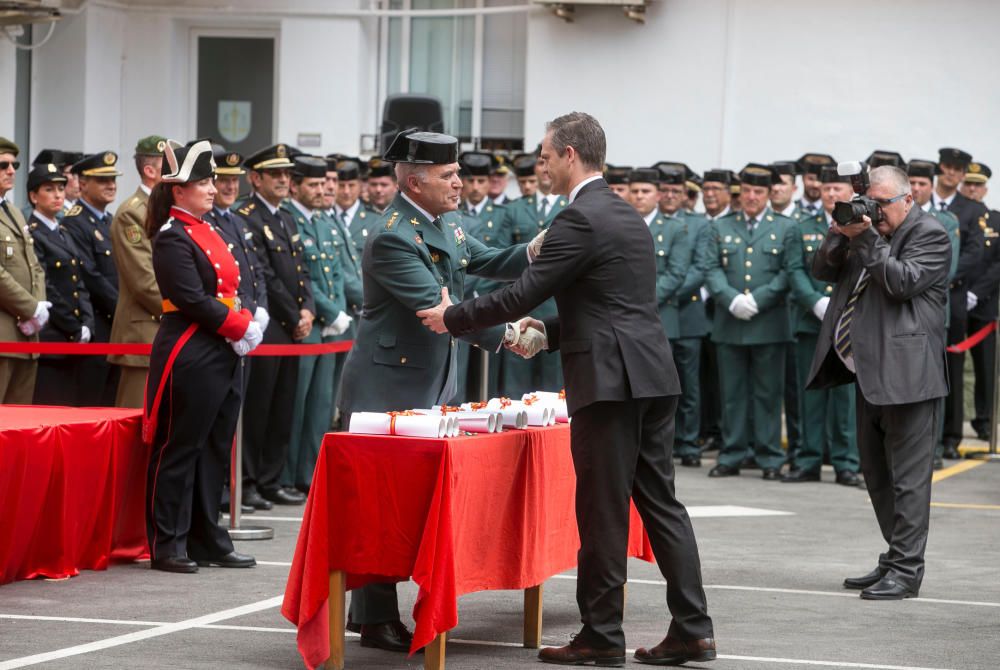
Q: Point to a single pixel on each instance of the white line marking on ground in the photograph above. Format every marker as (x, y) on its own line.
(137, 636)
(717, 511)
(249, 518)
(291, 631)
(280, 564)
(803, 592)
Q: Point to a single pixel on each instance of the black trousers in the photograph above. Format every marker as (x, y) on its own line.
(982, 364)
(98, 378)
(58, 381)
(793, 402)
(711, 395)
(954, 409)
(896, 445)
(623, 450)
(189, 461)
(267, 416)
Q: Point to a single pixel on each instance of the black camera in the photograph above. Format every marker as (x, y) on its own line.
(846, 213)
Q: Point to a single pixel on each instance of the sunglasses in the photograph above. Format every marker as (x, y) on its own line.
(7, 164)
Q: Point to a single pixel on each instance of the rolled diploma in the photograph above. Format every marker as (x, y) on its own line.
(378, 423)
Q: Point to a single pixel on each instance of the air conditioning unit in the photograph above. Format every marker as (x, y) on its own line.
(24, 12)
(634, 10)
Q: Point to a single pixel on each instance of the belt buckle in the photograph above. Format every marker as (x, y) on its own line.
(237, 304)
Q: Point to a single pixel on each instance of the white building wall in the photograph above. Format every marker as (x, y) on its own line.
(724, 82)
(7, 88)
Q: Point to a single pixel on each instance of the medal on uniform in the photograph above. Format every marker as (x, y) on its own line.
(459, 235)
(267, 233)
(97, 234)
(307, 242)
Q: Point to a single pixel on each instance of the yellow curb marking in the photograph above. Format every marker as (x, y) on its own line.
(956, 469)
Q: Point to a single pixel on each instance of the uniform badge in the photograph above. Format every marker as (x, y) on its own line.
(307, 242)
(133, 234)
(414, 222)
(280, 151)
(459, 236)
(75, 210)
(267, 233)
(97, 234)
(728, 238)
(232, 160)
(109, 158)
(725, 261)
(9, 251)
(364, 232)
(295, 238)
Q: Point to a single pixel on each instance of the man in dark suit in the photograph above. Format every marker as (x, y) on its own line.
(621, 386)
(952, 164)
(884, 330)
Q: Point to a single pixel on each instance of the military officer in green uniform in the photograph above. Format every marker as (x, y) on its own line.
(809, 166)
(381, 187)
(349, 206)
(417, 251)
(499, 178)
(692, 323)
(921, 173)
(748, 261)
(827, 415)
(530, 215)
(139, 307)
(314, 387)
(524, 173)
(617, 178)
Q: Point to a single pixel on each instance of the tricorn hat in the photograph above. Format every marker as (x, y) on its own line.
(417, 146)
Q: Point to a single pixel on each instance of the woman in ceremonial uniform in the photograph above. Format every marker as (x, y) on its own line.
(193, 392)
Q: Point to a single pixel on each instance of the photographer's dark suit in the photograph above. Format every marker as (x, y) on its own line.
(621, 388)
(970, 235)
(898, 338)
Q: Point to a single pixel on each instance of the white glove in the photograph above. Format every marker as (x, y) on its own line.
(84, 334)
(253, 336)
(262, 318)
(971, 300)
(528, 343)
(753, 303)
(705, 295)
(338, 327)
(42, 313)
(535, 246)
(819, 309)
(741, 308)
(29, 327)
(241, 347)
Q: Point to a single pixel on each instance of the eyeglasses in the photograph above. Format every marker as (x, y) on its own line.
(8, 164)
(883, 202)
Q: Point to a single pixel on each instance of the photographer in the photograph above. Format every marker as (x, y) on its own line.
(884, 330)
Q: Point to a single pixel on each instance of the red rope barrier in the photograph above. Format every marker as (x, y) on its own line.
(973, 339)
(105, 349)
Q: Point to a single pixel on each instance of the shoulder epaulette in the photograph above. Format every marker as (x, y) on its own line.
(75, 211)
(392, 220)
(249, 207)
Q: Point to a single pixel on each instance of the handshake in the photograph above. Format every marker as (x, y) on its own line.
(525, 337)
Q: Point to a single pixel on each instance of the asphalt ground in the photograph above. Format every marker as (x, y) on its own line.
(773, 583)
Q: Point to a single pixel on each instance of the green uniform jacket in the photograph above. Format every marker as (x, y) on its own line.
(361, 227)
(323, 262)
(396, 362)
(806, 289)
(22, 279)
(492, 227)
(525, 224)
(673, 252)
(759, 265)
(691, 308)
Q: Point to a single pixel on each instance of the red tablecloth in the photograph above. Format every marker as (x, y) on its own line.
(72, 485)
(457, 515)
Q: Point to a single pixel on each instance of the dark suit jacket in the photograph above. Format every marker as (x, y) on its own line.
(239, 239)
(970, 255)
(598, 262)
(986, 284)
(897, 332)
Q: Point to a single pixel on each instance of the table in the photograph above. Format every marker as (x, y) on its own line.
(485, 512)
(72, 490)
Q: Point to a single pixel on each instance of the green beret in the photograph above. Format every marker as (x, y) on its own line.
(150, 146)
(8, 147)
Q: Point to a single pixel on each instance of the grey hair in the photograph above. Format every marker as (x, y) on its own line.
(582, 132)
(890, 175)
(405, 170)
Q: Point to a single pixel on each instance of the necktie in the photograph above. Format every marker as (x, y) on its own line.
(543, 207)
(346, 216)
(843, 343)
(750, 226)
(943, 206)
(6, 210)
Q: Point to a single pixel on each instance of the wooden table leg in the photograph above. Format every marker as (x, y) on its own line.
(337, 621)
(434, 653)
(533, 617)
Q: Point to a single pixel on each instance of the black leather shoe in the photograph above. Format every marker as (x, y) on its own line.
(723, 471)
(351, 626)
(390, 636)
(180, 564)
(284, 496)
(233, 559)
(798, 475)
(983, 435)
(771, 474)
(578, 653)
(888, 588)
(864, 582)
(677, 652)
(848, 478)
(253, 499)
(691, 461)
(951, 452)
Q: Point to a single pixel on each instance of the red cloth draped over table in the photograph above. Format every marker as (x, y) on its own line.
(72, 485)
(459, 515)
